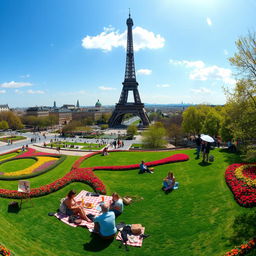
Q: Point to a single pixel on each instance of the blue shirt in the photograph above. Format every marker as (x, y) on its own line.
(107, 223)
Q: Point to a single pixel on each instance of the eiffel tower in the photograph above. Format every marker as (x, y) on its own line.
(129, 85)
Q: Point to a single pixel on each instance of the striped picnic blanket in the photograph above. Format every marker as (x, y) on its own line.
(132, 239)
(95, 210)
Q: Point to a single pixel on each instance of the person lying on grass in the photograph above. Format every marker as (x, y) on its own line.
(105, 224)
(168, 182)
(144, 168)
(74, 207)
(117, 205)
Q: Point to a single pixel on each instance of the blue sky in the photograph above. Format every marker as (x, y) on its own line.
(66, 50)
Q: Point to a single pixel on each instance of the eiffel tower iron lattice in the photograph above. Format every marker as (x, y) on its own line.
(129, 85)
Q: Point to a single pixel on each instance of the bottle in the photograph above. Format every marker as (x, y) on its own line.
(82, 202)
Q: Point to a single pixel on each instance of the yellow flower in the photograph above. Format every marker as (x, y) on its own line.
(239, 174)
(40, 160)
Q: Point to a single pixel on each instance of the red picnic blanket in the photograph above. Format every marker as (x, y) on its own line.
(95, 210)
(132, 239)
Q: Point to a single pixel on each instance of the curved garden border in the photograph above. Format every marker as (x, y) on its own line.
(244, 194)
(33, 174)
(243, 249)
(86, 176)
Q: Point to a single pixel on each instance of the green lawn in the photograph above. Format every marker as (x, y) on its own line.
(197, 219)
(16, 165)
(87, 146)
(5, 156)
(13, 138)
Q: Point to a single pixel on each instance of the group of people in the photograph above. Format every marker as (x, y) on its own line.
(169, 181)
(204, 147)
(104, 224)
(117, 144)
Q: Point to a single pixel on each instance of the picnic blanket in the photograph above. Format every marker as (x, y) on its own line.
(132, 239)
(95, 210)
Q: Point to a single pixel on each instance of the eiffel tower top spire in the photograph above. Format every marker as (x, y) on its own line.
(130, 66)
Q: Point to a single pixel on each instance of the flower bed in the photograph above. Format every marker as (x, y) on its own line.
(4, 251)
(242, 249)
(45, 162)
(170, 159)
(33, 152)
(84, 175)
(40, 161)
(241, 185)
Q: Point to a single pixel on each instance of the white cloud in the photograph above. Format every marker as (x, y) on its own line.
(25, 76)
(35, 92)
(144, 72)
(225, 52)
(13, 84)
(163, 85)
(202, 90)
(202, 72)
(188, 64)
(18, 91)
(208, 21)
(104, 88)
(2, 91)
(111, 38)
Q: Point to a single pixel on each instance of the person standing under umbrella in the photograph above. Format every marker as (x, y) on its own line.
(206, 146)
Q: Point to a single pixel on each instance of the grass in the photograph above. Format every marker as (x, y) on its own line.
(136, 145)
(16, 165)
(197, 219)
(12, 138)
(5, 156)
(91, 146)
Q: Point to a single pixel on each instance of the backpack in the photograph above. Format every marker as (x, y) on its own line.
(211, 158)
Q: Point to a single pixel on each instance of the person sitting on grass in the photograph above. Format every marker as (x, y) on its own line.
(144, 168)
(168, 182)
(74, 207)
(117, 205)
(105, 224)
(105, 151)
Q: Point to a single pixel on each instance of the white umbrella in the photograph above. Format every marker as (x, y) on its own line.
(207, 138)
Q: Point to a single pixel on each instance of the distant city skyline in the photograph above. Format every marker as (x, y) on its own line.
(64, 51)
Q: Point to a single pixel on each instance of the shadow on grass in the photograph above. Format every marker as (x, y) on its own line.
(231, 157)
(97, 243)
(204, 164)
(244, 228)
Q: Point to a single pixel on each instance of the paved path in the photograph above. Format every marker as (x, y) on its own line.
(39, 140)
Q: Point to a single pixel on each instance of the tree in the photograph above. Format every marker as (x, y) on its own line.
(12, 119)
(4, 125)
(242, 101)
(174, 131)
(245, 59)
(211, 124)
(154, 137)
(131, 130)
(192, 120)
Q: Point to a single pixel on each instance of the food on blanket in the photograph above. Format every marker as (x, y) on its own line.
(88, 205)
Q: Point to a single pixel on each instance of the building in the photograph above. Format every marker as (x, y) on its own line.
(38, 111)
(64, 116)
(4, 107)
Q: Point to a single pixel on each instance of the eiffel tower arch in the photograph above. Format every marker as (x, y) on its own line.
(129, 85)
